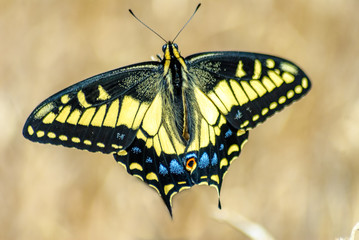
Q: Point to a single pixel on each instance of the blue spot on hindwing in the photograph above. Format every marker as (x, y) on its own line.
(228, 133)
(221, 147)
(203, 161)
(162, 170)
(214, 160)
(175, 167)
(149, 160)
(136, 150)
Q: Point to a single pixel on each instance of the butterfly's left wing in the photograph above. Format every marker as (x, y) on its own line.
(119, 112)
(233, 92)
(102, 113)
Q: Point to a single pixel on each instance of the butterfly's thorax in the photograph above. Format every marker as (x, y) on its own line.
(175, 75)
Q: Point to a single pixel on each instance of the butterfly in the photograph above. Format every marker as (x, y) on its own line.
(172, 123)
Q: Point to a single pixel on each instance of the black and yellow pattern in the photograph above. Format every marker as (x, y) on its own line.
(173, 123)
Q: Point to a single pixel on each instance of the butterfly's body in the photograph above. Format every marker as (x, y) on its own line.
(173, 123)
(174, 92)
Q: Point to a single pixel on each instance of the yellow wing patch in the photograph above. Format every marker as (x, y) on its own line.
(112, 113)
(208, 110)
(249, 90)
(270, 63)
(103, 95)
(44, 110)
(225, 94)
(139, 116)
(50, 117)
(87, 116)
(290, 68)
(258, 87)
(257, 69)
(74, 117)
(99, 116)
(204, 135)
(63, 114)
(268, 84)
(166, 143)
(128, 111)
(240, 72)
(153, 118)
(275, 78)
(82, 99)
(218, 102)
(239, 92)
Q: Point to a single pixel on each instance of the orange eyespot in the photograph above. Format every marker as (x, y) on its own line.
(191, 164)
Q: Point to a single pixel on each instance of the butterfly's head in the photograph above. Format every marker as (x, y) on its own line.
(170, 51)
(169, 46)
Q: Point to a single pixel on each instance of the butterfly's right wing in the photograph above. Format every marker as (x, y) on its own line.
(248, 87)
(232, 93)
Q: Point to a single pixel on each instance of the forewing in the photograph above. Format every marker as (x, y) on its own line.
(247, 87)
(102, 113)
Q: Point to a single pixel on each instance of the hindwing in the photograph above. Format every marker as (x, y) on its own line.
(169, 166)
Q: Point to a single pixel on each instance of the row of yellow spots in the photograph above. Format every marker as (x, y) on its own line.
(281, 100)
(151, 176)
(224, 162)
(215, 178)
(167, 188)
(52, 135)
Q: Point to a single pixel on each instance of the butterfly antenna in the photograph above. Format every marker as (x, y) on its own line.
(146, 25)
(187, 22)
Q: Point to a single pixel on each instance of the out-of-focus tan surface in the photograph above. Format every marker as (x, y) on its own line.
(297, 177)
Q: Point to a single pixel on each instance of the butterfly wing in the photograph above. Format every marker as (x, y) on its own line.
(102, 113)
(233, 92)
(154, 155)
(119, 112)
(247, 87)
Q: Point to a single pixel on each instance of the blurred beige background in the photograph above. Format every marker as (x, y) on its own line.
(297, 176)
